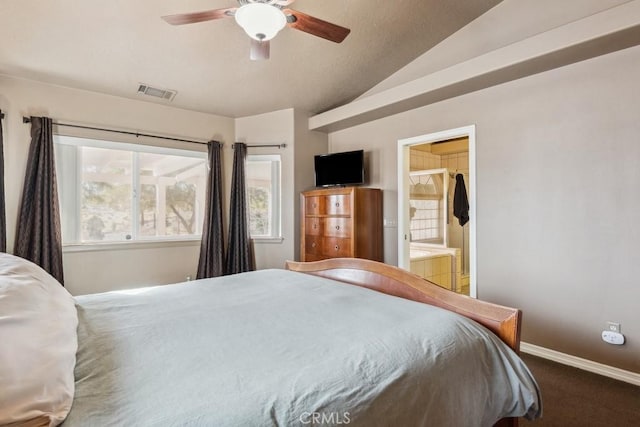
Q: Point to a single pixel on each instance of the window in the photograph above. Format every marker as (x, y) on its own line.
(427, 206)
(263, 194)
(115, 192)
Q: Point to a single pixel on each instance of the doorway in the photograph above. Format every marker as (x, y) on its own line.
(434, 241)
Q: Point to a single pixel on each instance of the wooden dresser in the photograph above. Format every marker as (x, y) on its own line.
(341, 222)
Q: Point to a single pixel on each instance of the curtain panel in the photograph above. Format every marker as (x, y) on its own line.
(3, 218)
(211, 262)
(239, 253)
(38, 234)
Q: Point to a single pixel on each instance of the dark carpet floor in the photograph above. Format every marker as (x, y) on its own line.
(573, 397)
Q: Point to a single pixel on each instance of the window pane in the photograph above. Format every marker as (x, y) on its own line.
(171, 194)
(148, 215)
(259, 224)
(261, 198)
(181, 208)
(105, 199)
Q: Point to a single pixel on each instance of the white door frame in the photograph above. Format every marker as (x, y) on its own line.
(403, 195)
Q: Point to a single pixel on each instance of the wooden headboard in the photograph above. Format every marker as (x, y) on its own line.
(505, 322)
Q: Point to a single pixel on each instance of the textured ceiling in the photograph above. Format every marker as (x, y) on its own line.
(111, 46)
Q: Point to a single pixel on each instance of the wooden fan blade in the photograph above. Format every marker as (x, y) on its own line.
(317, 27)
(192, 18)
(259, 50)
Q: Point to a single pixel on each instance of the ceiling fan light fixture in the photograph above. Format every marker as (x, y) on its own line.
(261, 21)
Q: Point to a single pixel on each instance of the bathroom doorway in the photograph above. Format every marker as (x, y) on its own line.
(436, 208)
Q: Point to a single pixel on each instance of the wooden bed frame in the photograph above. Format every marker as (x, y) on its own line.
(505, 322)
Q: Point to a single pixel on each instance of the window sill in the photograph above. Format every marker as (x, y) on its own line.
(119, 246)
(261, 240)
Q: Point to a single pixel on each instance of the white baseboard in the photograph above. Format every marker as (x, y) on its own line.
(584, 364)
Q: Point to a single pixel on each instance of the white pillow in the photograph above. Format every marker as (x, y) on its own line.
(38, 343)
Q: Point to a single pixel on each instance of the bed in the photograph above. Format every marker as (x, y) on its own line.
(342, 341)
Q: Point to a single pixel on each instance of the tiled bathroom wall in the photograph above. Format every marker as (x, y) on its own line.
(458, 236)
(458, 162)
(443, 268)
(449, 270)
(421, 160)
(435, 269)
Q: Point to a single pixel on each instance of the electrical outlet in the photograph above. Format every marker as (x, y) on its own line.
(390, 223)
(613, 327)
(615, 338)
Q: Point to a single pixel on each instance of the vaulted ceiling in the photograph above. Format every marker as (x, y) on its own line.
(112, 46)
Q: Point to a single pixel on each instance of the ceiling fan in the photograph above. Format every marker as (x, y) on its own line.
(262, 20)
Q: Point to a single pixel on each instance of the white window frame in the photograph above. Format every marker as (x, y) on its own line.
(70, 180)
(276, 199)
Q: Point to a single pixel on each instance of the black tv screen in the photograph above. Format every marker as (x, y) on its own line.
(346, 168)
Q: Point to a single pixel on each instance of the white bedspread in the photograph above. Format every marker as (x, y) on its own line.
(279, 348)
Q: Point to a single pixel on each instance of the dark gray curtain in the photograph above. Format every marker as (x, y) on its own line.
(38, 236)
(3, 218)
(211, 263)
(239, 253)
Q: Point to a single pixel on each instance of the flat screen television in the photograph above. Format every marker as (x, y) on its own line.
(346, 168)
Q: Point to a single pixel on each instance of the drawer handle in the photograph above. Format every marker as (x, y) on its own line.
(315, 206)
(337, 248)
(337, 205)
(313, 245)
(315, 226)
(337, 227)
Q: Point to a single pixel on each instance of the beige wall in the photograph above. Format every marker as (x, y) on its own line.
(557, 171)
(95, 271)
(308, 144)
(288, 127)
(274, 128)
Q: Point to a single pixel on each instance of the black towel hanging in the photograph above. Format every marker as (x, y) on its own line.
(460, 201)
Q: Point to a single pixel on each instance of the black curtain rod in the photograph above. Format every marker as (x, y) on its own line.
(264, 145)
(136, 134)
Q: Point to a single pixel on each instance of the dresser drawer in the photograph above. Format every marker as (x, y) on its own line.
(336, 247)
(313, 226)
(314, 205)
(337, 227)
(338, 204)
(313, 257)
(313, 244)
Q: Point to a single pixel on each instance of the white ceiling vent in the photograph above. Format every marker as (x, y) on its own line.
(156, 92)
